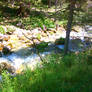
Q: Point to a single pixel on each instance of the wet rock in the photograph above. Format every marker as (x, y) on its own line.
(6, 66)
(88, 28)
(14, 42)
(88, 41)
(1, 37)
(9, 33)
(52, 30)
(6, 50)
(77, 28)
(35, 31)
(0, 54)
(6, 38)
(44, 34)
(76, 45)
(1, 46)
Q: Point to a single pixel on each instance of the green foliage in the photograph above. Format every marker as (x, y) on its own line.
(82, 18)
(42, 46)
(39, 36)
(63, 22)
(60, 41)
(10, 30)
(38, 20)
(7, 84)
(2, 31)
(49, 23)
(88, 55)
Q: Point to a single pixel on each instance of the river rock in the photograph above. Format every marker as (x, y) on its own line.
(76, 45)
(1, 46)
(1, 37)
(88, 28)
(6, 38)
(6, 66)
(77, 28)
(6, 50)
(0, 54)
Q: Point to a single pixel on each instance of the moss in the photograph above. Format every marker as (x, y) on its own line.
(39, 36)
(2, 30)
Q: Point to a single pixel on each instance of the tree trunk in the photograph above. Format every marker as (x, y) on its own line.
(56, 2)
(69, 25)
(49, 3)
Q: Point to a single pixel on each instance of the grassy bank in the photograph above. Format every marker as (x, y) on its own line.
(71, 73)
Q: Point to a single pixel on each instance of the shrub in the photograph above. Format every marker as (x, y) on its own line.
(60, 41)
(7, 84)
(38, 20)
(42, 46)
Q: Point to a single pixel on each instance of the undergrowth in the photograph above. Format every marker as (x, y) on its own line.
(70, 73)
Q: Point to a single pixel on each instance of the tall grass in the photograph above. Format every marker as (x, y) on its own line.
(71, 73)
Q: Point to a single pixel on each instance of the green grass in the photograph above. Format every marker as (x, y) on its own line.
(37, 19)
(70, 73)
(8, 16)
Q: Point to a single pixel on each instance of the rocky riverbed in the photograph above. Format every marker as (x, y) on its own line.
(17, 50)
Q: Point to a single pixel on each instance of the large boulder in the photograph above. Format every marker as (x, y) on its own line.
(76, 45)
(6, 66)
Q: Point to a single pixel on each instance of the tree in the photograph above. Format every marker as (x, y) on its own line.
(24, 9)
(72, 4)
(69, 24)
(49, 3)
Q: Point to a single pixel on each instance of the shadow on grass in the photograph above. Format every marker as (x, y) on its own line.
(8, 15)
(37, 18)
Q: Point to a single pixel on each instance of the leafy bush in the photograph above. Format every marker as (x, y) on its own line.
(7, 84)
(38, 20)
(60, 41)
(42, 46)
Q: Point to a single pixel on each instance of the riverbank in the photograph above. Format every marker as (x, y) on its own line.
(19, 42)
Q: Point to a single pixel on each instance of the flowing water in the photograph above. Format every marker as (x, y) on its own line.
(29, 56)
